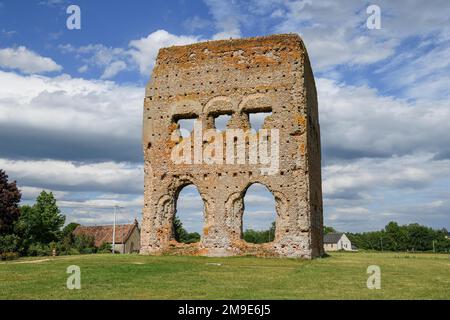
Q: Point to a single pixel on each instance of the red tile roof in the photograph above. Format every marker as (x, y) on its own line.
(104, 233)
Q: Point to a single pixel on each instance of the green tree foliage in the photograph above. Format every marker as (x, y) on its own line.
(253, 236)
(105, 247)
(9, 243)
(85, 243)
(327, 230)
(9, 204)
(68, 229)
(412, 237)
(41, 223)
(181, 235)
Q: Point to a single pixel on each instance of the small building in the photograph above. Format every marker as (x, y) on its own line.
(127, 240)
(336, 241)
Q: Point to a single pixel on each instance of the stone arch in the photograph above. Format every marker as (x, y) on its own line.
(279, 209)
(186, 108)
(234, 210)
(219, 105)
(257, 102)
(175, 188)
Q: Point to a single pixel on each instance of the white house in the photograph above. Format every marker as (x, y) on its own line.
(337, 241)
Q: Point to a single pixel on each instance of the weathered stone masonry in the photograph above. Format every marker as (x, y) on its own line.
(234, 77)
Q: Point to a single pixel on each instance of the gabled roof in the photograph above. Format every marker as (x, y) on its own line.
(332, 237)
(103, 234)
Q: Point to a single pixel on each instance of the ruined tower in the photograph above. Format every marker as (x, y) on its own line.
(235, 77)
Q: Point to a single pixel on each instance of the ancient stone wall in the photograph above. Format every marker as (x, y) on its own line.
(234, 77)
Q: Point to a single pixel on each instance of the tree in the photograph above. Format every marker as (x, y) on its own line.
(179, 232)
(181, 235)
(327, 229)
(9, 204)
(85, 243)
(68, 230)
(41, 223)
(264, 236)
(393, 237)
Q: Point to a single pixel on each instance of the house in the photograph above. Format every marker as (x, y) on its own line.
(127, 240)
(335, 241)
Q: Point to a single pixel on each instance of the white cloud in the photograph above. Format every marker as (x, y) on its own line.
(144, 50)
(141, 53)
(26, 61)
(83, 69)
(358, 121)
(113, 69)
(67, 175)
(103, 202)
(31, 193)
(110, 60)
(228, 18)
(335, 32)
(75, 105)
(370, 174)
(195, 23)
(8, 33)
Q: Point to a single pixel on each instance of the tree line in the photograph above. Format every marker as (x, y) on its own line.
(37, 230)
(395, 237)
(249, 235)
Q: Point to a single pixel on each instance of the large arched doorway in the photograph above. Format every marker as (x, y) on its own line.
(188, 220)
(259, 217)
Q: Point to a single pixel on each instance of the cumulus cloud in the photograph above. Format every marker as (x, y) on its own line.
(83, 69)
(373, 191)
(140, 54)
(71, 176)
(228, 17)
(113, 69)
(335, 32)
(369, 174)
(192, 24)
(26, 61)
(111, 60)
(69, 118)
(357, 121)
(145, 50)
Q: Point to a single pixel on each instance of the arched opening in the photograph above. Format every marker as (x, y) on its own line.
(257, 119)
(188, 219)
(221, 121)
(259, 217)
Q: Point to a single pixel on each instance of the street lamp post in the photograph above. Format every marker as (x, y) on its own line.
(114, 232)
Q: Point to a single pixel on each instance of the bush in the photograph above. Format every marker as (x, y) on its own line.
(9, 243)
(105, 248)
(88, 250)
(72, 252)
(9, 255)
(39, 249)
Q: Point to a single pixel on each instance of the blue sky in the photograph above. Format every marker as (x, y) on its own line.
(71, 102)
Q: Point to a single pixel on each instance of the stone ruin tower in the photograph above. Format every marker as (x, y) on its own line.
(234, 77)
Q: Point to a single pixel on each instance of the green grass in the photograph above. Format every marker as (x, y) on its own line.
(340, 276)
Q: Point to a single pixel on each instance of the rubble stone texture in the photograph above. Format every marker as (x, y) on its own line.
(234, 77)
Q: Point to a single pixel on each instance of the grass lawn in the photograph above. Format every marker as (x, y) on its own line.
(340, 276)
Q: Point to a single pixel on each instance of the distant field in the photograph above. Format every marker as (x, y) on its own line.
(340, 276)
